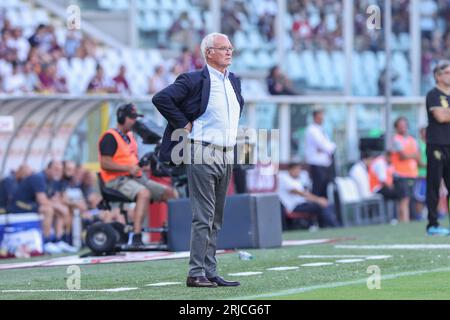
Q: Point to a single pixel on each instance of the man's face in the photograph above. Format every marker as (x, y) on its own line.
(69, 169)
(130, 120)
(295, 171)
(221, 54)
(444, 77)
(55, 172)
(318, 118)
(402, 127)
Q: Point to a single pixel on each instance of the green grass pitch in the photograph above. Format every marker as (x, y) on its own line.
(407, 274)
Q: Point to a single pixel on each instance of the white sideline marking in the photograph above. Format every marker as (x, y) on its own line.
(317, 264)
(337, 284)
(282, 268)
(349, 260)
(344, 256)
(244, 274)
(67, 290)
(396, 246)
(378, 257)
(161, 284)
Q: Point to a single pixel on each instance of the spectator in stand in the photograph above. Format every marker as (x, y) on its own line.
(32, 82)
(175, 71)
(180, 32)
(278, 83)
(73, 42)
(20, 44)
(158, 80)
(121, 83)
(100, 83)
(50, 82)
(38, 36)
(16, 81)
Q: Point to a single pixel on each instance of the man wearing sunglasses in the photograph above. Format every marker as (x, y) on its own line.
(118, 154)
(438, 144)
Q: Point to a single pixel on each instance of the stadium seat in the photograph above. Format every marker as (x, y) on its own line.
(41, 16)
(350, 204)
(14, 17)
(150, 4)
(338, 61)
(165, 21)
(360, 87)
(196, 17)
(255, 40)
(248, 59)
(168, 5)
(264, 60)
(311, 70)
(294, 67)
(326, 69)
(369, 61)
(105, 4)
(240, 40)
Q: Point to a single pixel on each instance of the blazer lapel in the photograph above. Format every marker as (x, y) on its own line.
(205, 90)
(234, 83)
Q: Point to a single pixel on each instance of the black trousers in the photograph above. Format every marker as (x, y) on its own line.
(327, 216)
(320, 177)
(438, 167)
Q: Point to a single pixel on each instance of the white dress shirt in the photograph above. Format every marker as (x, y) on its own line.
(286, 183)
(318, 147)
(219, 124)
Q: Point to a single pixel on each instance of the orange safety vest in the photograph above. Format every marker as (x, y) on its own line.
(405, 168)
(126, 154)
(374, 182)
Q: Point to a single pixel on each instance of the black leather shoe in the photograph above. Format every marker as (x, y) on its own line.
(221, 282)
(200, 282)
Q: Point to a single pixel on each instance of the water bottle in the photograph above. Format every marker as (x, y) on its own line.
(76, 229)
(243, 255)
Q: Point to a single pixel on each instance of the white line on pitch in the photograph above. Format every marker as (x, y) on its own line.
(67, 290)
(336, 284)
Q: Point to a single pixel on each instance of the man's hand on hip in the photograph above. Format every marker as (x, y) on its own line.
(188, 127)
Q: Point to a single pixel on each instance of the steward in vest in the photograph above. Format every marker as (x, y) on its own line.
(405, 159)
(118, 156)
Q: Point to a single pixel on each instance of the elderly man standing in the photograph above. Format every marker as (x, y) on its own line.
(207, 104)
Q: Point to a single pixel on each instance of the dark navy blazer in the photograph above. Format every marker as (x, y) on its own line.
(186, 100)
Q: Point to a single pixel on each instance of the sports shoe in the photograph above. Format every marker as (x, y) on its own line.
(52, 248)
(137, 240)
(65, 247)
(437, 231)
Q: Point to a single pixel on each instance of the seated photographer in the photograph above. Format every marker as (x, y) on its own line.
(120, 170)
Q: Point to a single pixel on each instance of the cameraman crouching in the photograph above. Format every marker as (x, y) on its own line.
(120, 171)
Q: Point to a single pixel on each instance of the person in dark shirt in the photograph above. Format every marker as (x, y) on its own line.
(438, 144)
(10, 184)
(41, 193)
(278, 83)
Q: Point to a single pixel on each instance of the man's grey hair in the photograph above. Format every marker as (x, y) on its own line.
(208, 42)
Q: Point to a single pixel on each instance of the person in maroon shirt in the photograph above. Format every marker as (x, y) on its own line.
(120, 82)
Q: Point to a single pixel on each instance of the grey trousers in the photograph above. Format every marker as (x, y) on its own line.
(208, 185)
